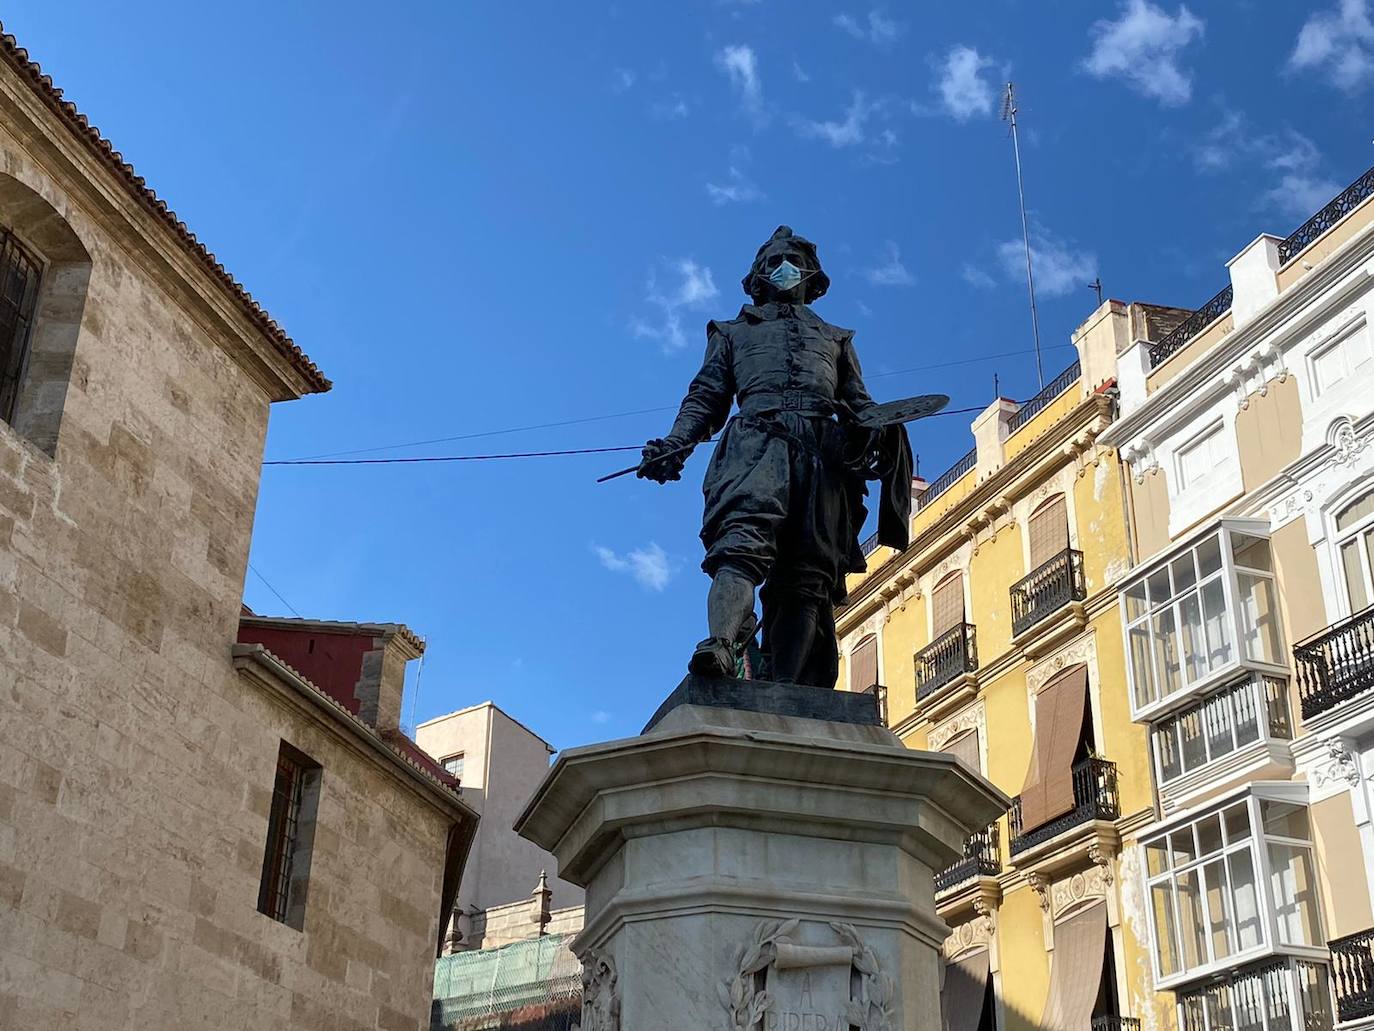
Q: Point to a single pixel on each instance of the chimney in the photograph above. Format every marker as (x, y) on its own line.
(1254, 278)
(990, 429)
(381, 684)
(1105, 334)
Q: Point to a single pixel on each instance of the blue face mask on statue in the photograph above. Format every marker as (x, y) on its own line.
(786, 276)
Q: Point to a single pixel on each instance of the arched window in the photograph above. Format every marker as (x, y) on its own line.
(863, 664)
(1355, 544)
(44, 274)
(947, 605)
(1049, 531)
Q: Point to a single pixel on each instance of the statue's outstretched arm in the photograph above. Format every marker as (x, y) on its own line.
(703, 411)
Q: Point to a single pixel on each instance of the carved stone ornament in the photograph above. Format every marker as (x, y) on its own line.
(1341, 767)
(780, 982)
(969, 936)
(1040, 884)
(1089, 884)
(1083, 651)
(1348, 444)
(972, 718)
(600, 993)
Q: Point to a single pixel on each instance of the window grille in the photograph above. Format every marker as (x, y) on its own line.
(290, 833)
(19, 274)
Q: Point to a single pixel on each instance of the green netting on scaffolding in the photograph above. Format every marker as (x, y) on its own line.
(471, 988)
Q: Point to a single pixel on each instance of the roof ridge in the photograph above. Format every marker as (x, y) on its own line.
(138, 187)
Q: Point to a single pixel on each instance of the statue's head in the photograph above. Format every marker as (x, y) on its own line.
(800, 253)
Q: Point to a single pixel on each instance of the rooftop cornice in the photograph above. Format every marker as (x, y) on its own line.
(1014, 479)
(305, 376)
(1286, 318)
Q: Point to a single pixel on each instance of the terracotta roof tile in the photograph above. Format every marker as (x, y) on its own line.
(80, 125)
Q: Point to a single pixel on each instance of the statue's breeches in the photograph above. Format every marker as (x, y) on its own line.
(778, 503)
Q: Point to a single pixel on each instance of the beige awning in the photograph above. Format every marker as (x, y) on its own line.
(961, 997)
(1080, 945)
(1058, 720)
(965, 746)
(864, 664)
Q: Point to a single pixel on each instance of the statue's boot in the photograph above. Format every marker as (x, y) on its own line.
(729, 609)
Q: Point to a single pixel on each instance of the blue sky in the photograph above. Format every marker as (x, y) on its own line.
(477, 217)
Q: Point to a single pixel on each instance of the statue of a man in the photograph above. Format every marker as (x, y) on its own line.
(785, 488)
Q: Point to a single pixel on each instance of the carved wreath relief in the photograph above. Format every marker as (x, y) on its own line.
(783, 985)
(600, 993)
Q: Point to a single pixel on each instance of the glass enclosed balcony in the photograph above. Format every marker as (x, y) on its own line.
(1234, 884)
(1198, 615)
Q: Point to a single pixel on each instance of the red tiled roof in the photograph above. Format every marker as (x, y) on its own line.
(103, 150)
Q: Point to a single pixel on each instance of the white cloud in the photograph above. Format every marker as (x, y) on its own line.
(650, 565)
(1143, 46)
(1060, 268)
(799, 73)
(975, 276)
(737, 189)
(964, 89)
(671, 109)
(879, 30)
(890, 271)
(624, 78)
(1299, 188)
(741, 66)
(845, 133)
(1338, 44)
(600, 716)
(695, 288)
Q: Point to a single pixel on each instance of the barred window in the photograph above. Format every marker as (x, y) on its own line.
(19, 274)
(453, 766)
(290, 837)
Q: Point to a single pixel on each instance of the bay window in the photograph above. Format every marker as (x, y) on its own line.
(1200, 613)
(1235, 882)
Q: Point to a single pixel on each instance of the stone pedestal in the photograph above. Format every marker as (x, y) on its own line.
(759, 869)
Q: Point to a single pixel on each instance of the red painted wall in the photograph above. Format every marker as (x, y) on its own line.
(332, 662)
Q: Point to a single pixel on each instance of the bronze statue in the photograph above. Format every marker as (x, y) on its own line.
(785, 488)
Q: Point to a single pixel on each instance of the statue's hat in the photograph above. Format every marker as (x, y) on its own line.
(785, 240)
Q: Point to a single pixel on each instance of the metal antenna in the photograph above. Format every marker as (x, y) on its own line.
(1096, 284)
(1009, 115)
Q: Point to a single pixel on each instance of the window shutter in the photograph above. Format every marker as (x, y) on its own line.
(965, 746)
(1059, 711)
(863, 664)
(947, 604)
(1049, 531)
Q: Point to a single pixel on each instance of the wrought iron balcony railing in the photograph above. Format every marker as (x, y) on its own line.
(1352, 975)
(947, 478)
(951, 655)
(981, 859)
(1046, 589)
(1344, 203)
(1109, 1023)
(1191, 327)
(879, 693)
(1040, 401)
(1336, 664)
(1095, 798)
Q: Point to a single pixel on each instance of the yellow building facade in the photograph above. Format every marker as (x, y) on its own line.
(1143, 604)
(997, 636)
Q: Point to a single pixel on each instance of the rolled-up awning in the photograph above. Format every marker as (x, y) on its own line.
(1058, 720)
(1080, 944)
(961, 997)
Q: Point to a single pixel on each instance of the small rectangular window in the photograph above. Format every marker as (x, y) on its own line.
(290, 837)
(453, 766)
(1200, 456)
(1339, 360)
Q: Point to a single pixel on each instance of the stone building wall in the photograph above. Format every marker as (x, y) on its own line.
(136, 762)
